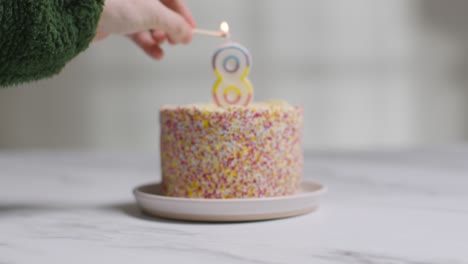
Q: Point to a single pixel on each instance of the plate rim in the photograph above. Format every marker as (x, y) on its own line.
(320, 191)
(222, 218)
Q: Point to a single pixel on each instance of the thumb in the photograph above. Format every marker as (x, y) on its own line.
(176, 27)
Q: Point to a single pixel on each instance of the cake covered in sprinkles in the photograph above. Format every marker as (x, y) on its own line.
(231, 152)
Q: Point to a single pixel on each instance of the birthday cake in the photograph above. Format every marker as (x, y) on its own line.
(232, 152)
(232, 148)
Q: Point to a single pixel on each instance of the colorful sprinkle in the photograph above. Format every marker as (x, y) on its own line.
(232, 152)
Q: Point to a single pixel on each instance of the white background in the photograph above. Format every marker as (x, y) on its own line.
(371, 74)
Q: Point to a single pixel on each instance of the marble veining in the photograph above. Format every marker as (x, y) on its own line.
(355, 257)
(400, 207)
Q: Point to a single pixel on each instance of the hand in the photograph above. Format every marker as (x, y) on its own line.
(149, 23)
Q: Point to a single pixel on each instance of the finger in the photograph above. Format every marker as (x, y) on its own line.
(147, 44)
(158, 36)
(100, 36)
(173, 24)
(172, 42)
(180, 7)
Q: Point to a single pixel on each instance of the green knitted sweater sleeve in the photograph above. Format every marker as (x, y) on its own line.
(39, 37)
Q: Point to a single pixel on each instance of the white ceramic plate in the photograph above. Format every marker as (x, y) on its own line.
(152, 202)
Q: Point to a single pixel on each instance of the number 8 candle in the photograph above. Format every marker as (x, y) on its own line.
(231, 65)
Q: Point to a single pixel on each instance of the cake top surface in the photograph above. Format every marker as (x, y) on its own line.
(211, 107)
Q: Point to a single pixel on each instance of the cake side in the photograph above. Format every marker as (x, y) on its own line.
(213, 152)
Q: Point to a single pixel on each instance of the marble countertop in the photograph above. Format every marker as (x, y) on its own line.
(408, 207)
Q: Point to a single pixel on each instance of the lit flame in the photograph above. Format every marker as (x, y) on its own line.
(224, 28)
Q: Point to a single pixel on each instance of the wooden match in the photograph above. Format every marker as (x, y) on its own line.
(209, 32)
